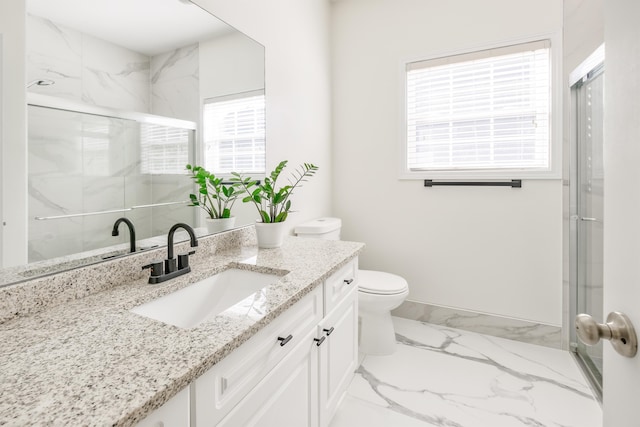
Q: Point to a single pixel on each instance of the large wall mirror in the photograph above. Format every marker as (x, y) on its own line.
(121, 96)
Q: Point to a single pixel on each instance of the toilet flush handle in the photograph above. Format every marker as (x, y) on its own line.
(348, 281)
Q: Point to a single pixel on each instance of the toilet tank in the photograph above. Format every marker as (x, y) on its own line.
(320, 228)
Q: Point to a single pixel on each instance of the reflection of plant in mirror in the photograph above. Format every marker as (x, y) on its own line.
(214, 196)
(273, 204)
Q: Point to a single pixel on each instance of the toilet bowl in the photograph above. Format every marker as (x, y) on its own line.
(378, 293)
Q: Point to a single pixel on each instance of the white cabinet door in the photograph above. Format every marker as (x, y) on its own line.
(174, 413)
(287, 396)
(338, 354)
(224, 386)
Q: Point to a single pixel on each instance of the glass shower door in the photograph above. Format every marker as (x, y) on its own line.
(589, 214)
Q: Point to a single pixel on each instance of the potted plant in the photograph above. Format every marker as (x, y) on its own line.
(215, 197)
(273, 203)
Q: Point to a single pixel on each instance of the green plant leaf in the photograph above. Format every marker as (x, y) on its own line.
(226, 213)
(265, 217)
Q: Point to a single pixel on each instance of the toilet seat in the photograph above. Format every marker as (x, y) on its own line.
(381, 283)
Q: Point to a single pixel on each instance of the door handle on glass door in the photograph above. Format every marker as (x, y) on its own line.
(588, 219)
(618, 330)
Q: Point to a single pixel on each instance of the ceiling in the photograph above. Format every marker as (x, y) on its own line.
(145, 26)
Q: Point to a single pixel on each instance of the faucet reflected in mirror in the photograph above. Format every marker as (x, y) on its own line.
(172, 268)
(132, 232)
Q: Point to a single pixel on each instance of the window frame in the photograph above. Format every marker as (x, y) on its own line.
(555, 118)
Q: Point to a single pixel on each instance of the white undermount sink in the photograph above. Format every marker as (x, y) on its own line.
(189, 306)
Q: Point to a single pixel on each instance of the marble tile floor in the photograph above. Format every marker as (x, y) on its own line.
(441, 376)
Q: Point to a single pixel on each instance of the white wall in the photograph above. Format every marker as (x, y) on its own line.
(492, 250)
(232, 64)
(295, 34)
(583, 30)
(14, 157)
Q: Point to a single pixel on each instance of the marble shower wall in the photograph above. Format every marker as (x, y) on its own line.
(85, 68)
(175, 84)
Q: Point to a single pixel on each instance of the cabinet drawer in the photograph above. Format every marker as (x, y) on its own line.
(225, 384)
(338, 285)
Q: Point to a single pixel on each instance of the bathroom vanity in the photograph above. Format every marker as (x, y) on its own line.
(282, 356)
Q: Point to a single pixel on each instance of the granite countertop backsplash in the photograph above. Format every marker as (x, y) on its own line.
(84, 359)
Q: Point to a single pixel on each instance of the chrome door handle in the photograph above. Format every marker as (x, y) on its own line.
(618, 330)
(588, 219)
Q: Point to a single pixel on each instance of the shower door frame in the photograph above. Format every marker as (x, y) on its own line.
(591, 68)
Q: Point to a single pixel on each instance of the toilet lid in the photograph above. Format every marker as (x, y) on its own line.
(381, 283)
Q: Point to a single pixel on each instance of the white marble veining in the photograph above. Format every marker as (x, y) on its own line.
(54, 52)
(175, 83)
(498, 326)
(441, 376)
(85, 68)
(114, 76)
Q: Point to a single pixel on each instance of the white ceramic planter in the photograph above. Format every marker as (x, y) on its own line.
(220, 224)
(270, 234)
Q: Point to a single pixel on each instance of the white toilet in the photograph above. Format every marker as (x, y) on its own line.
(378, 293)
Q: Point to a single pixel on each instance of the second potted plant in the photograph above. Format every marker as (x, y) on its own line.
(215, 197)
(273, 203)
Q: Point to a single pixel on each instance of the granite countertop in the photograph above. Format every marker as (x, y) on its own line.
(92, 362)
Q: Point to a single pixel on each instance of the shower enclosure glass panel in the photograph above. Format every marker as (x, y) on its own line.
(86, 170)
(589, 215)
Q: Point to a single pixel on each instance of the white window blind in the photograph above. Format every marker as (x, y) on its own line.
(164, 149)
(234, 133)
(487, 110)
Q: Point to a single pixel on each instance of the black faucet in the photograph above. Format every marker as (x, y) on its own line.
(170, 262)
(132, 232)
(172, 270)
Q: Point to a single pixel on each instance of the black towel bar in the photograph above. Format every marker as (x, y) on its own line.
(514, 183)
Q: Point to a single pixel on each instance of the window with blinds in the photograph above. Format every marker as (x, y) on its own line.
(486, 110)
(234, 133)
(164, 149)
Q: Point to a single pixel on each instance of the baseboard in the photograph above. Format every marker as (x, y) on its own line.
(498, 326)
